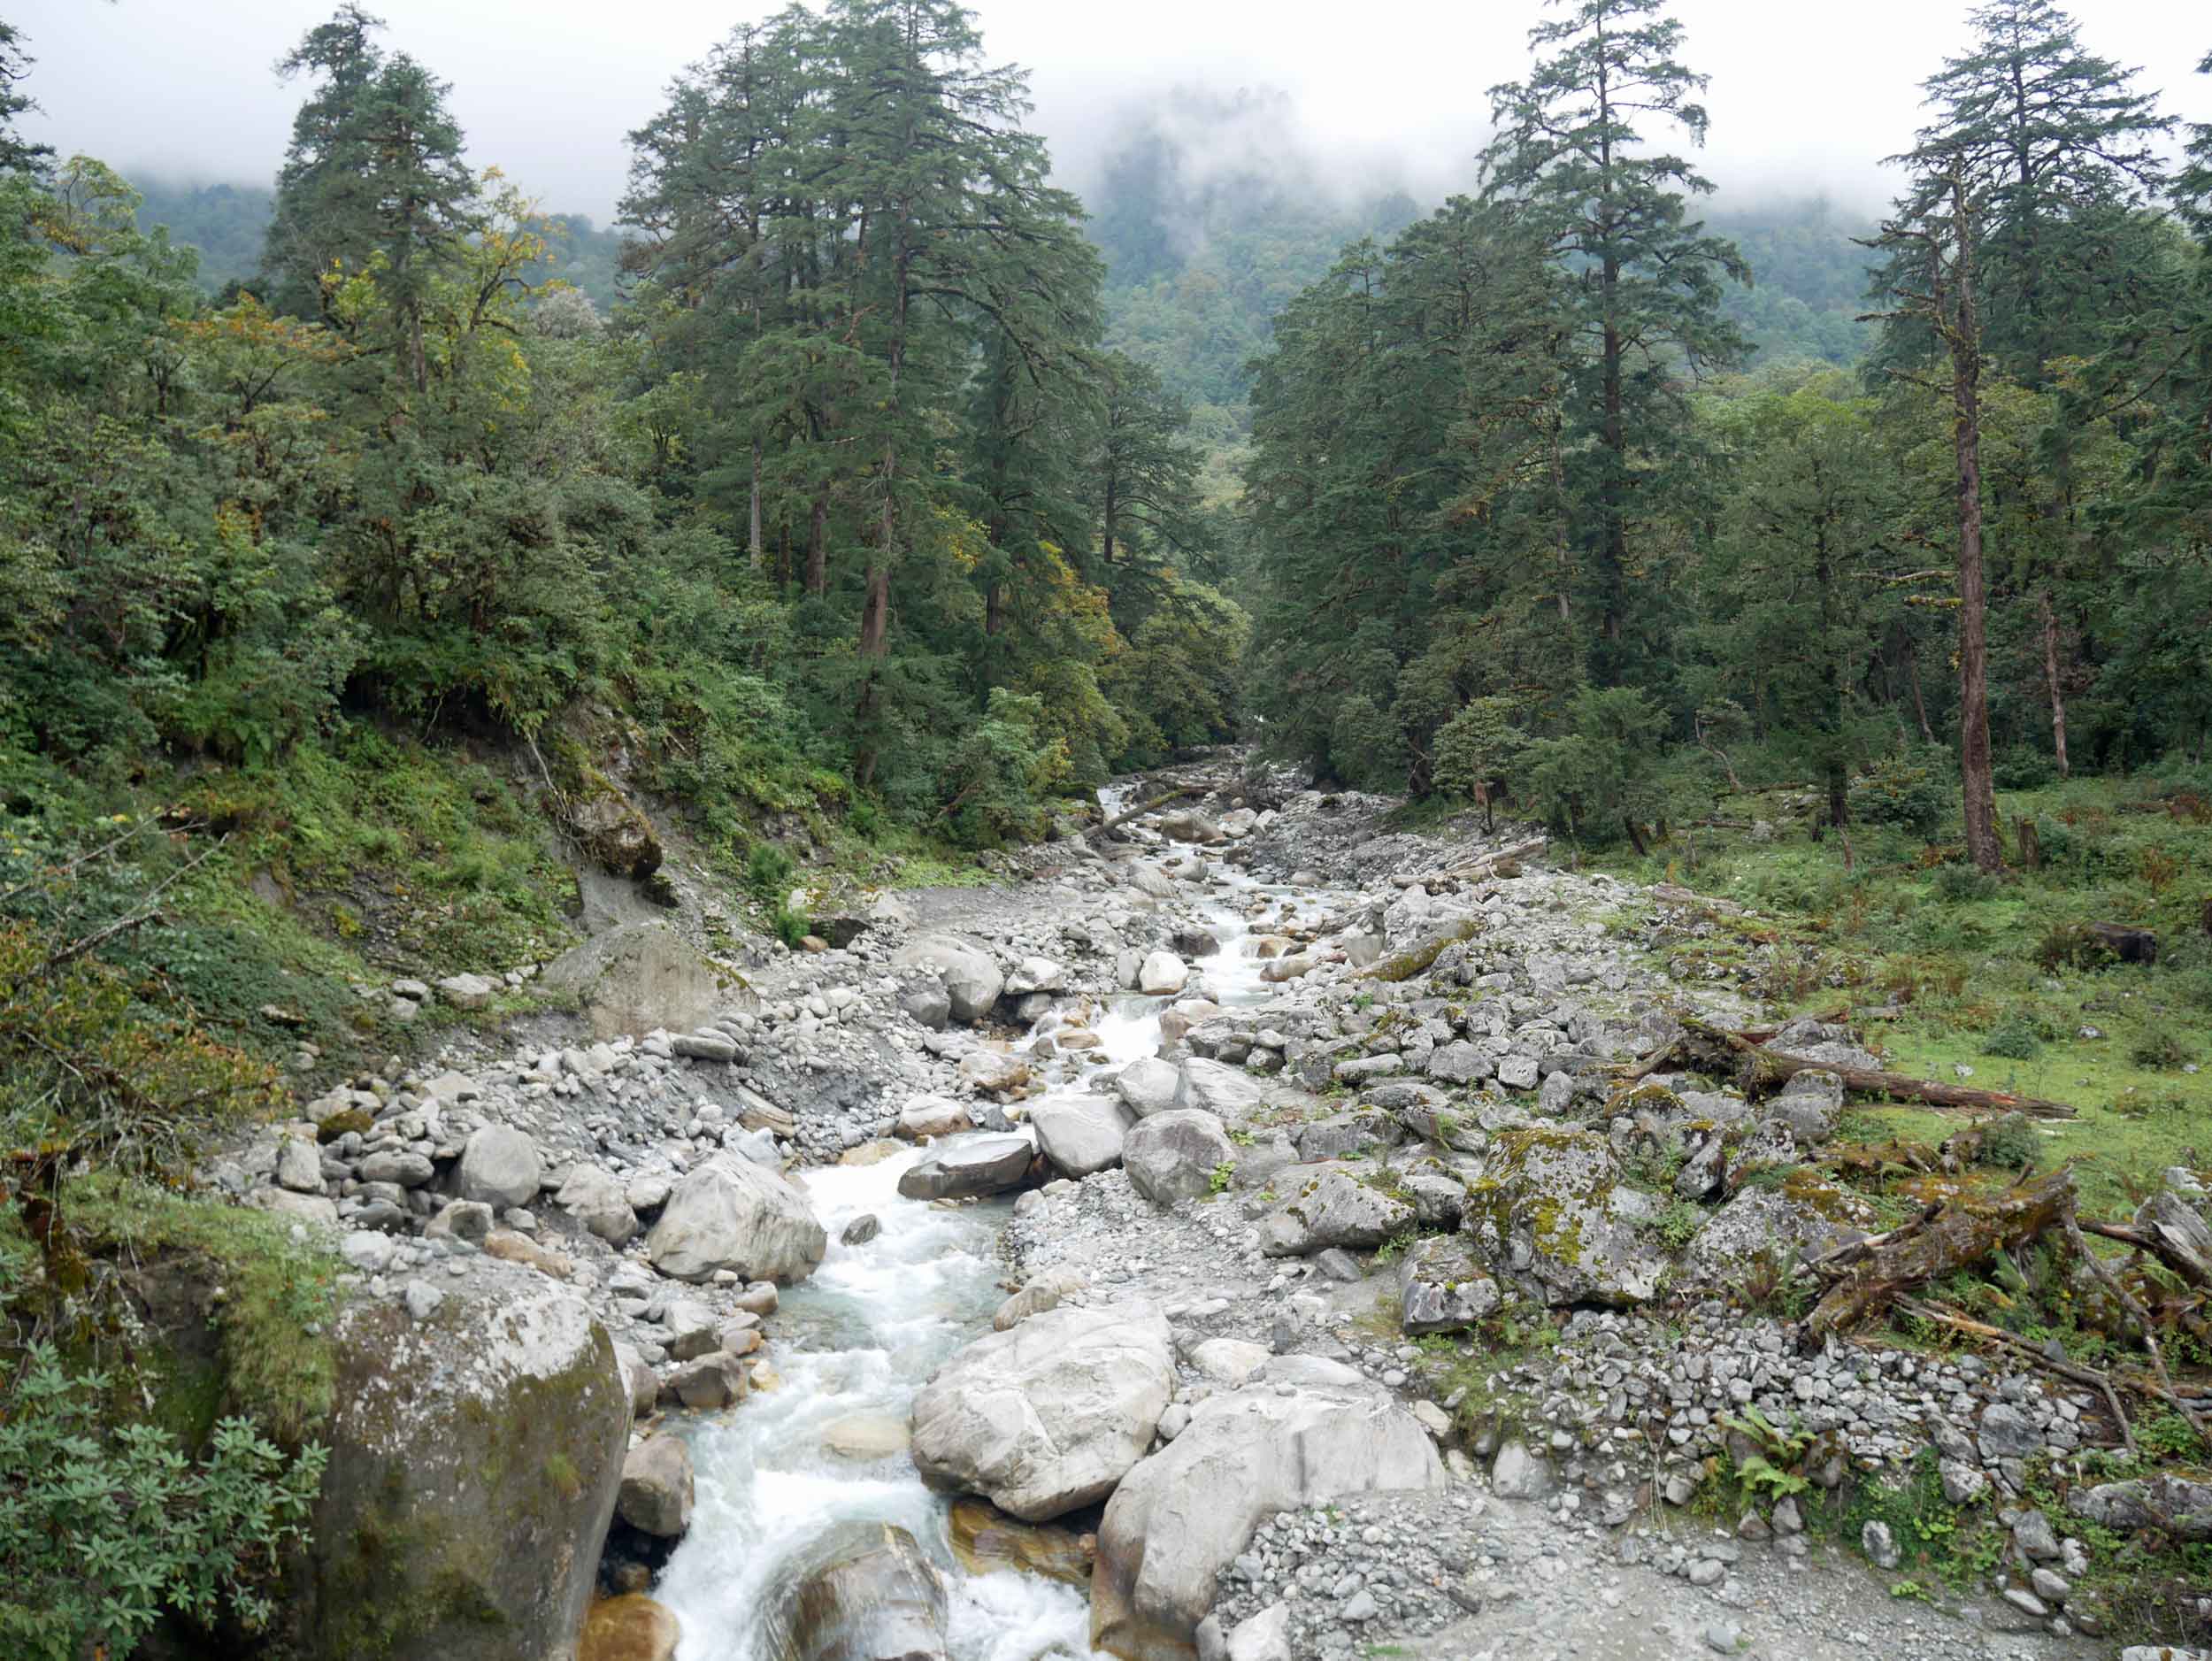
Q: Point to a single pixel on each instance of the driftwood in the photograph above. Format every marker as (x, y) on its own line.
(2141, 1316)
(2168, 1231)
(1763, 1065)
(2070, 1370)
(1488, 865)
(1142, 808)
(1947, 1236)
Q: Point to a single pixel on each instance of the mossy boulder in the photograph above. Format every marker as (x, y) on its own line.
(476, 1460)
(1552, 1216)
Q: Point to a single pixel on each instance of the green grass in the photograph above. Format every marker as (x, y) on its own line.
(270, 1299)
(1965, 956)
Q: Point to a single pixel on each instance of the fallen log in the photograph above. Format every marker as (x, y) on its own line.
(1948, 1236)
(2168, 1231)
(1142, 808)
(1769, 1067)
(1489, 863)
(2068, 1369)
(1776, 1067)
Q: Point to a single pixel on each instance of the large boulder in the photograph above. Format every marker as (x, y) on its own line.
(734, 1214)
(1049, 1414)
(1805, 1217)
(970, 979)
(1329, 1205)
(645, 975)
(500, 1168)
(1173, 1156)
(1081, 1135)
(1228, 1092)
(864, 1592)
(1162, 973)
(1183, 1515)
(1551, 1215)
(600, 1201)
(969, 1166)
(1149, 1085)
(628, 1628)
(474, 1464)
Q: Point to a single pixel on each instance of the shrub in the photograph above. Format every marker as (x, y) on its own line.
(2160, 1051)
(2022, 768)
(1960, 885)
(767, 872)
(102, 1530)
(1912, 791)
(2017, 1039)
(2071, 946)
(2011, 1143)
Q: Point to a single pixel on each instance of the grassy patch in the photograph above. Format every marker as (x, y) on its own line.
(272, 1298)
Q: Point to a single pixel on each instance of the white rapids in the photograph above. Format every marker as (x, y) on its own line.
(859, 1338)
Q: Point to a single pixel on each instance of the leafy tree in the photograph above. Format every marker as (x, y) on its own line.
(1569, 157)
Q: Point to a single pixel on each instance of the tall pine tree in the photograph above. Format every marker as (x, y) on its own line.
(1571, 157)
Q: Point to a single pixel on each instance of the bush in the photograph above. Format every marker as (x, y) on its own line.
(2016, 1040)
(2011, 1143)
(2160, 1051)
(2071, 946)
(1913, 791)
(1962, 885)
(768, 872)
(2022, 768)
(102, 1530)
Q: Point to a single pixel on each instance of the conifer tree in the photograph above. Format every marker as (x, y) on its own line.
(1572, 157)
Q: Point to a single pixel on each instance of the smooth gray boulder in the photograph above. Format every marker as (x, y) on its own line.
(1081, 1135)
(1220, 1089)
(1162, 973)
(645, 975)
(499, 1168)
(1172, 1156)
(1149, 1085)
(730, 1214)
(1049, 1414)
(970, 979)
(966, 1167)
(1328, 1205)
(1183, 1515)
(600, 1201)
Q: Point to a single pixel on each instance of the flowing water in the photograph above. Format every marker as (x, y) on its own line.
(855, 1342)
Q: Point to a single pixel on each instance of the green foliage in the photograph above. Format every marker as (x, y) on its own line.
(2017, 1039)
(1222, 1175)
(1913, 791)
(2160, 1051)
(103, 1528)
(1602, 776)
(1680, 1223)
(999, 776)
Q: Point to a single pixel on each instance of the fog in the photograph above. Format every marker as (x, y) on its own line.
(1804, 99)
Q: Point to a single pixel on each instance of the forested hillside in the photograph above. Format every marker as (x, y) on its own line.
(1530, 507)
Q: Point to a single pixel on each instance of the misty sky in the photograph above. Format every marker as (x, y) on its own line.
(1805, 97)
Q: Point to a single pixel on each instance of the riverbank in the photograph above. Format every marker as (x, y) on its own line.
(1420, 1204)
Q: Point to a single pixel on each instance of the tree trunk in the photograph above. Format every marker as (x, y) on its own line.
(1984, 845)
(1919, 701)
(754, 545)
(2051, 679)
(818, 543)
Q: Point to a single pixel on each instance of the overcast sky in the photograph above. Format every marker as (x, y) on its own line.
(1804, 97)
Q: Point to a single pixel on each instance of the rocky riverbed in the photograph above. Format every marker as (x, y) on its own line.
(1244, 1203)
